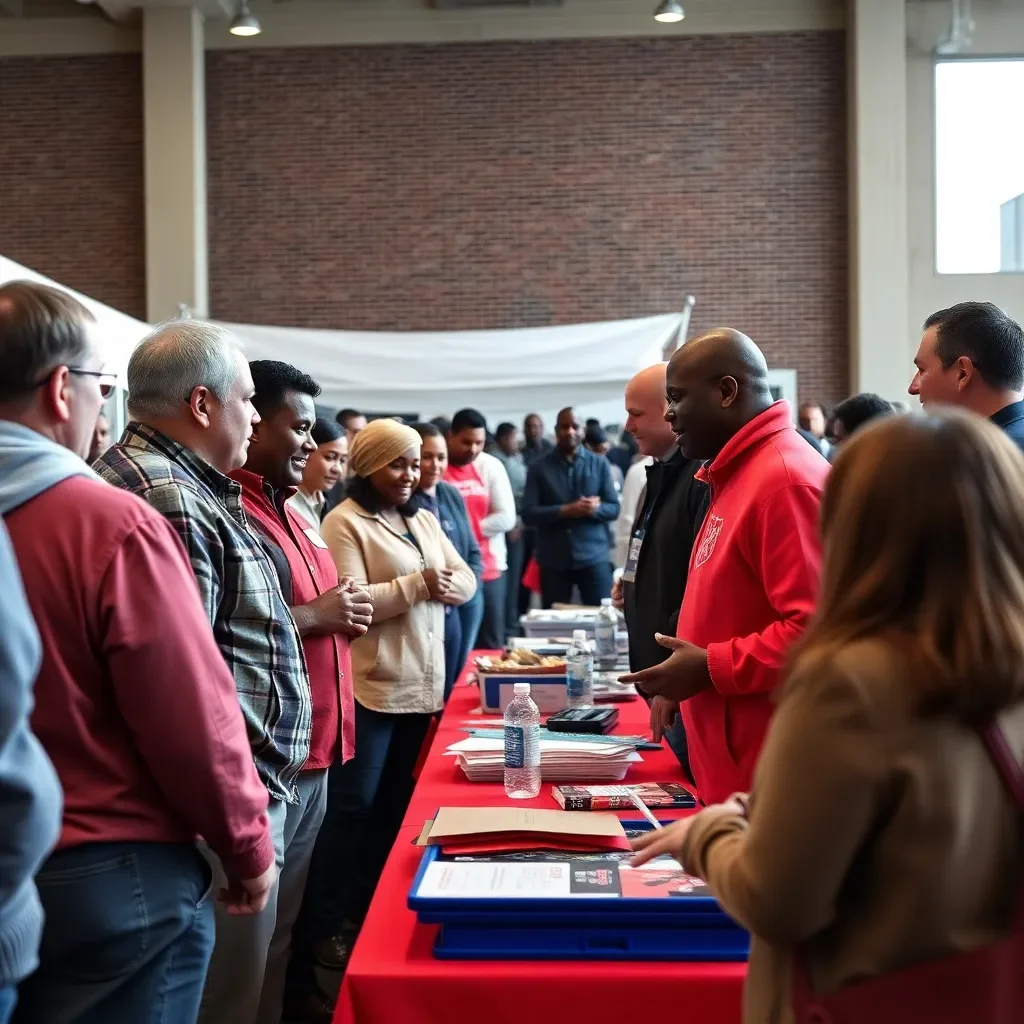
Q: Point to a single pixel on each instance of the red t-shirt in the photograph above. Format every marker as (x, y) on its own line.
(134, 702)
(750, 593)
(469, 482)
(306, 570)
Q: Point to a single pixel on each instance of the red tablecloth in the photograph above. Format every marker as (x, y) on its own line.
(393, 978)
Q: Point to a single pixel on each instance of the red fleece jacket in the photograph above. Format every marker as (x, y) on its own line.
(751, 590)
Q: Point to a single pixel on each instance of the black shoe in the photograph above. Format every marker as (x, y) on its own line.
(334, 953)
(314, 1008)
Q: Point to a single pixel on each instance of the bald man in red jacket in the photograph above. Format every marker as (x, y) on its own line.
(755, 566)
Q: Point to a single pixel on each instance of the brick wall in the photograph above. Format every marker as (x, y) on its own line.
(71, 173)
(521, 184)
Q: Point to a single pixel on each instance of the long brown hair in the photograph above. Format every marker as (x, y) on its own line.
(923, 526)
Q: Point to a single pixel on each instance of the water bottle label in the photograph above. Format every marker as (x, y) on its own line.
(515, 746)
(576, 679)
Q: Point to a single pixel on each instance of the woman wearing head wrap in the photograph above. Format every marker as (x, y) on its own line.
(412, 571)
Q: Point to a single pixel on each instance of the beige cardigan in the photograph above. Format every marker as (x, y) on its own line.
(398, 666)
(875, 838)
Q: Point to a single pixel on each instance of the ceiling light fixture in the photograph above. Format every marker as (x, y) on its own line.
(243, 23)
(669, 12)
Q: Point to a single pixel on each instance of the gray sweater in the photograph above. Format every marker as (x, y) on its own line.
(30, 796)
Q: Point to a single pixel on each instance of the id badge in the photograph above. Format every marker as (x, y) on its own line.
(635, 543)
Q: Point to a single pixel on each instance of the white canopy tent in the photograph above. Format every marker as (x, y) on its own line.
(116, 333)
(504, 374)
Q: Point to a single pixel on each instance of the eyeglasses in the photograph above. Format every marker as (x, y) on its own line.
(107, 380)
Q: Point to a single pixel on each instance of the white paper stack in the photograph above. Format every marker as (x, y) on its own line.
(483, 760)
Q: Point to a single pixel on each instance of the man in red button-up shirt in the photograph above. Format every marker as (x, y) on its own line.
(327, 612)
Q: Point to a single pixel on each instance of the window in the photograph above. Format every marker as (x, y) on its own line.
(979, 166)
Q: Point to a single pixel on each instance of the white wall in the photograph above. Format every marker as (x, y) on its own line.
(999, 32)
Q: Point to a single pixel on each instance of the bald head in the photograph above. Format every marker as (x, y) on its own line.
(724, 353)
(645, 412)
(716, 384)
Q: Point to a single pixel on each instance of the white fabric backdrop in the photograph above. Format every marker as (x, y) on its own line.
(504, 374)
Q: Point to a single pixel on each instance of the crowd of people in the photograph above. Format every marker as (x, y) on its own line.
(239, 621)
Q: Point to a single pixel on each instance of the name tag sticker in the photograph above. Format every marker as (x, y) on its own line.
(314, 538)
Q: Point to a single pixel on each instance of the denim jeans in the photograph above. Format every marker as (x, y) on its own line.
(366, 802)
(8, 999)
(470, 616)
(452, 648)
(247, 972)
(128, 936)
(594, 582)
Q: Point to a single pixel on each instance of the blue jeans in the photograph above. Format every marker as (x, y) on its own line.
(471, 614)
(452, 648)
(128, 936)
(8, 999)
(594, 583)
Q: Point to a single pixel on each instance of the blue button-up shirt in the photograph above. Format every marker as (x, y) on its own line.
(554, 481)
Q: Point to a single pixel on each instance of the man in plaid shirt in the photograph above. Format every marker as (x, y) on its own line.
(190, 403)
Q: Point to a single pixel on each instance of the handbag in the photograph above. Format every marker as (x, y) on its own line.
(985, 986)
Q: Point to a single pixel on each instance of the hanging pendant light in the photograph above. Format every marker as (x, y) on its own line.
(243, 23)
(669, 12)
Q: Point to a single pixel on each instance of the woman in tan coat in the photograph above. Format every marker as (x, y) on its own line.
(879, 834)
(412, 571)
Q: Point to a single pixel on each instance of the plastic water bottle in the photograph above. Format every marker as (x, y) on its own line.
(580, 671)
(522, 745)
(607, 641)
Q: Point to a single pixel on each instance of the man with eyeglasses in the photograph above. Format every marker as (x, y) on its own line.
(133, 702)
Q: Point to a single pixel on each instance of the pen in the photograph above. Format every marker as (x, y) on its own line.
(644, 809)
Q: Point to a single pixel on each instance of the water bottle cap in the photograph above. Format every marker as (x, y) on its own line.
(579, 634)
(606, 602)
(521, 689)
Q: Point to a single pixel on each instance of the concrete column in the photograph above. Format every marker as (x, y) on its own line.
(174, 86)
(880, 349)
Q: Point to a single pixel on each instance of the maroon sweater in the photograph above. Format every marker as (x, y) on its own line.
(134, 703)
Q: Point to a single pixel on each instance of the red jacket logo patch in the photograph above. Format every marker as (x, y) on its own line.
(708, 541)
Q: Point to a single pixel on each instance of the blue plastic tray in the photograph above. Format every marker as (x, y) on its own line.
(686, 928)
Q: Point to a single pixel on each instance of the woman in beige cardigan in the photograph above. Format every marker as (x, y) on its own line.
(878, 834)
(411, 569)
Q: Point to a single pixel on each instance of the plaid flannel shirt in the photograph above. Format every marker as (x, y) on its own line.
(251, 620)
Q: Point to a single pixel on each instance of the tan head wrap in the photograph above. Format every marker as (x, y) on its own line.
(380, 443)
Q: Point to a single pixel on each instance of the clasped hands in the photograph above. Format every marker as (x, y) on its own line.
(346, 608)
(439, 585)
(580, 508)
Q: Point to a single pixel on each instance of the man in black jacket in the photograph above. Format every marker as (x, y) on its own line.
(668, 518)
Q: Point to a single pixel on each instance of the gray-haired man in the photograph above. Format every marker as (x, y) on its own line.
(191, 416)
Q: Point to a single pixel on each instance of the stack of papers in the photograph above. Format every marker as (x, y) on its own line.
(479, 830)
(483, 760)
